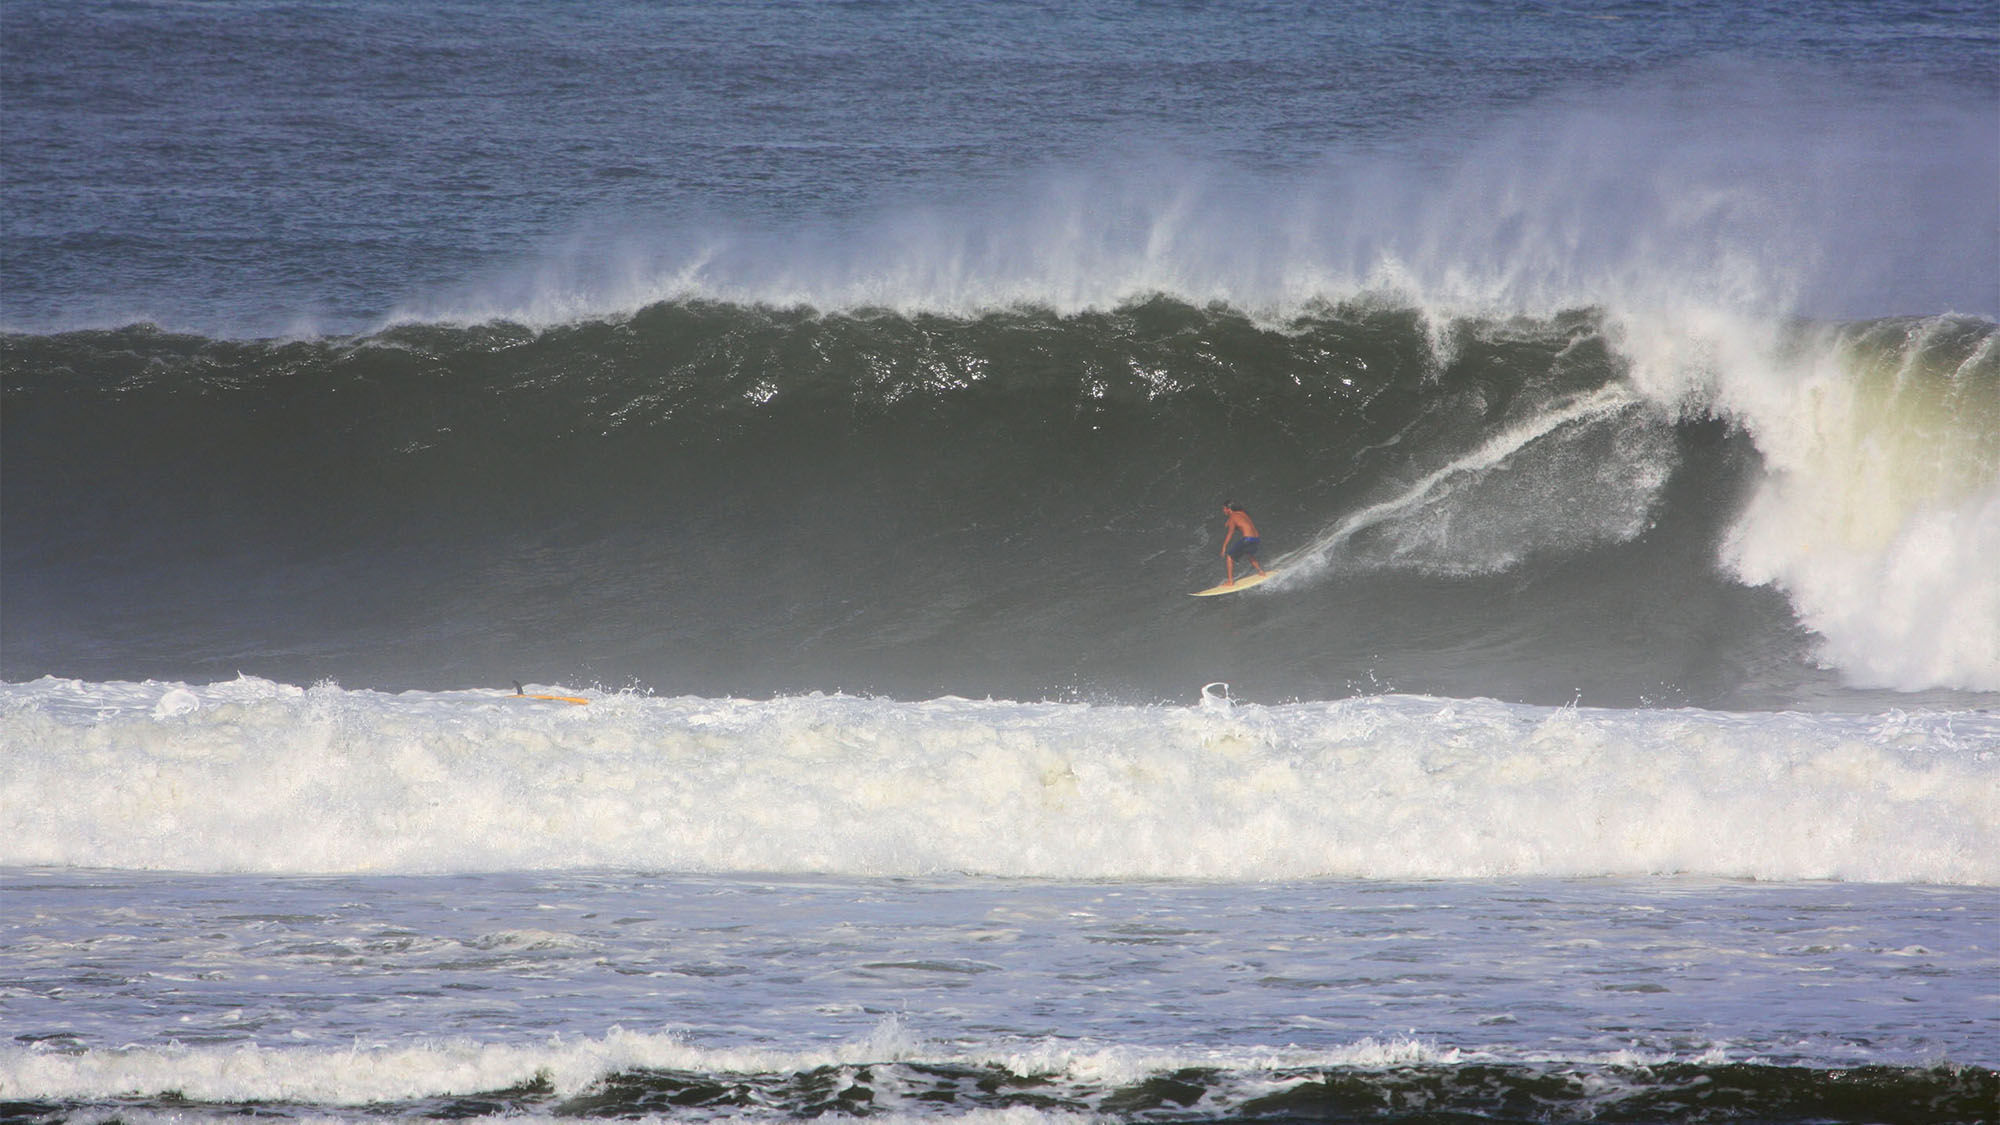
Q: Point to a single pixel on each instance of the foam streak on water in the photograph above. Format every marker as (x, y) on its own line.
(604, 992)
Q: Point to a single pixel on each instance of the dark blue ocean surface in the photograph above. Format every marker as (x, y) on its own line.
(237, 168)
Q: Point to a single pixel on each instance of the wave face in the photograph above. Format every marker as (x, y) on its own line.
(740, 500)
(254, 776)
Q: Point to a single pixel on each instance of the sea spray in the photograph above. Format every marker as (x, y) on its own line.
(1716, 184)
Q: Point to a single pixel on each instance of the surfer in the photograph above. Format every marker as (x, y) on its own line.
(1239, 526)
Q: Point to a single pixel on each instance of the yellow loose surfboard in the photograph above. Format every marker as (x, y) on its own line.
(1243, 583)
(523, 693)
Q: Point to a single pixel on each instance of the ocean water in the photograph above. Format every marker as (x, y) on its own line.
(629, 560)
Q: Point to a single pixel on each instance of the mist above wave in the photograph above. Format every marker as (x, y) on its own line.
(1757, 190)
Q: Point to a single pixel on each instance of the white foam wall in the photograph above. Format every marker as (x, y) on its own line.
(1878, 513)
(251, 776)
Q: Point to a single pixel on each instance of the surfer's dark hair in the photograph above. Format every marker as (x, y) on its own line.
(1232, 505)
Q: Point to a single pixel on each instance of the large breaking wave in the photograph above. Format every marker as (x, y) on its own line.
(742, 500)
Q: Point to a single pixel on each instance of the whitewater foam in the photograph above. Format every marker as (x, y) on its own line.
(364, 1073)
(1878, 513)
(580, 1066)
(264, 777)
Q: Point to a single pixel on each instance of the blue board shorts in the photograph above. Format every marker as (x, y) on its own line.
(1244, 548)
